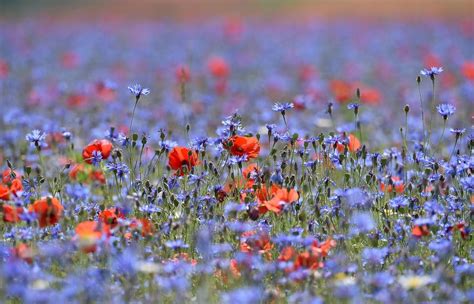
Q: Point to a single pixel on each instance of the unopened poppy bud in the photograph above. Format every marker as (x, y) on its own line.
(406, 109)
(418, 79)
(358, 93)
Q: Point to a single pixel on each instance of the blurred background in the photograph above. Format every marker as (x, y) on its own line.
(202, 9)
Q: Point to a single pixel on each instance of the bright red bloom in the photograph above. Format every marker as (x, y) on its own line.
(468, 70)
(7, 176)
(23, 252)
(48, 210)
(111, 216)
(144, 225)
(11, 214)
(182, 160)
(352, 146)
(461, 227)
(88, 233)
(253, 242)
(341, 90)
(419, 231)
(397, 182)
(218, 67)
(4, 192)
(100, 145)
(242, 145)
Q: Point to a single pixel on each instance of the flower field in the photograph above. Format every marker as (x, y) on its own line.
(236, 162)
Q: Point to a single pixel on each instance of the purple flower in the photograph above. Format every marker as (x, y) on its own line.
(138, 91)
(446, 110)
(279, 107)
(431, 72)
(36, 138)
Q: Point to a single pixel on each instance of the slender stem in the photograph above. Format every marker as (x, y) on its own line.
(422, 112)
(133, 115)
(454, 149)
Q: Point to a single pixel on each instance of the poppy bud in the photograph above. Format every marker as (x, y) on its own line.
(406, 109)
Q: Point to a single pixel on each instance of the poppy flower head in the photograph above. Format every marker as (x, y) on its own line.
(48, 210)
(353, 144)
(9, 175)
(23, 252)
(89, 233)
(468, 70)
(98, 145)
(241, 145)
(182, 160)
(218, 67)
(4, 192)
(419, 231)
(111, 216)
(397, 185)
(11, 214)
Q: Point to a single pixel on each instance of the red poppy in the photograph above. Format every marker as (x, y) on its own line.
(182, 160)
(341, 90)
(468, 70)
(7, 176)
(48, 210)
(279, 197)
(111, 216)
(353, 144)
(89, 233)
(105, 91)
(144, 225)
(218, 67)
(420, 230)
(461, 227)
(253, 242)
(11, 214)
(397, 182)
(100, 145)
(242, 145)
(4, 192)
(23, 252)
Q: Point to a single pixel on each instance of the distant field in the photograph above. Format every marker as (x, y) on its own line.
(192, 9)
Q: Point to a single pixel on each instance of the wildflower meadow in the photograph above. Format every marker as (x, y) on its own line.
(236, 160)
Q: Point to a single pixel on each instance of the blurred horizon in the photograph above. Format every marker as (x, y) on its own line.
(199, 10)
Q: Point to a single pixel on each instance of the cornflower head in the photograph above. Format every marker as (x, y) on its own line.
(138, 91)
(431, 72)
(36, 138)
(445, 110)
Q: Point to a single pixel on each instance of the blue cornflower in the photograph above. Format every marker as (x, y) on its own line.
(399, 202)
(353, 106)
(176, 244)
(123, 140)
(432, 72)
(374, 256)
(282, 107)
(138, 91)
(167, 145)
(362, 222)
(458, 132)
(468, 183)
(446, 110)
(270, 127)
(96, 158)
(36, 138)
(120, 169)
